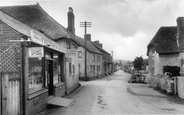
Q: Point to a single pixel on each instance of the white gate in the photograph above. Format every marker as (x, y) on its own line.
(10, 94)
(10, 80)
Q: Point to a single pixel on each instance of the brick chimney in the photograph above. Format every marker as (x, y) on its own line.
(71, 21)
(180, 32)
(101, 45)
(88, 37)
(97, 42)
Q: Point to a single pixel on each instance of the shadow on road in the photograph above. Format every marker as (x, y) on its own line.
(171, 98)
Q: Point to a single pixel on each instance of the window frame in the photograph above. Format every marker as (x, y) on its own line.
(79, 54)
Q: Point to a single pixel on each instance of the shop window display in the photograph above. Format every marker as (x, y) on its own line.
(56, 69)
(35, 74)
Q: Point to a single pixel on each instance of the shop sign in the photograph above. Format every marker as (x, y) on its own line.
(68, 59)
(71, 52)
(36, 52)
(42, 40)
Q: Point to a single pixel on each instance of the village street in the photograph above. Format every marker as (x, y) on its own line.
(113, 95)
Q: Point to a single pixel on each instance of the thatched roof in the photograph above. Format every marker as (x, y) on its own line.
(35, 17)
(164, 41)
(90, 46)
(21, 27)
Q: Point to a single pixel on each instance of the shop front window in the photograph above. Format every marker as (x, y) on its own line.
(56, 68)
(35, 74)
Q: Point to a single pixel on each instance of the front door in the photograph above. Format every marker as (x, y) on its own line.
(49, 76)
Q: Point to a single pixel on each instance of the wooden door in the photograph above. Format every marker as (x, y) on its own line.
(49, 76)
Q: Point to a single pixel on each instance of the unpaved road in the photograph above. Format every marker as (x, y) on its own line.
(112, 95)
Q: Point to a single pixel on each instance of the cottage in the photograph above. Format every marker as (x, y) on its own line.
(40, 65)
(93, 59)
(145, 65)
(106, 61)
(163, 50)
(93, 55)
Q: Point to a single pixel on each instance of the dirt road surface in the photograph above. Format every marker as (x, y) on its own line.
(113, 95)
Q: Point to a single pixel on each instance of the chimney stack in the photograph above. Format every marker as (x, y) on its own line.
(97, 42)
(101, 45)
(88, 37)
(71, 21)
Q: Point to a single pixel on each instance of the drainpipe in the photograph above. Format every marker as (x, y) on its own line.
(23, 77)
(24, 41)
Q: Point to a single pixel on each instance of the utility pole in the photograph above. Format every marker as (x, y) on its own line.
(85, 24)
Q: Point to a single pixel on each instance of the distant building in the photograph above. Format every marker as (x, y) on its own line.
(145, 65)
(106, 61)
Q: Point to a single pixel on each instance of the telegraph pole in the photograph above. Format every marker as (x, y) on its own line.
(85, 24)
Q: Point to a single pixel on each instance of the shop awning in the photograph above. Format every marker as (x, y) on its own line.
(58, 101)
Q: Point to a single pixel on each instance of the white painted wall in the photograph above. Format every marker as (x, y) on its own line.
(73, 78)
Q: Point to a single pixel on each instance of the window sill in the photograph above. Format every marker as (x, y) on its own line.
(35, 94)
(59, 84)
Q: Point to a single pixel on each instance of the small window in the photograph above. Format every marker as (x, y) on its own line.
(91, 68)
(70, 68)
(99, 68)
(94, 58)
(79, 54)
(68, 45)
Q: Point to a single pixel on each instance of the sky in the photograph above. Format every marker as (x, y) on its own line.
(123, 26)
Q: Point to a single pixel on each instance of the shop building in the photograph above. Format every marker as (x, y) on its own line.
(34, 65)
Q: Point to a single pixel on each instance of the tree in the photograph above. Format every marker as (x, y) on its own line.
(138, 63)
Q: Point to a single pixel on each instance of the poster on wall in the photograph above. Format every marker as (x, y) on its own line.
(36, 52)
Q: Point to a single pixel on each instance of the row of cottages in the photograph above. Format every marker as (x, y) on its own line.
(97, 59)
(106, 58)
(165, 51)
(40, 59)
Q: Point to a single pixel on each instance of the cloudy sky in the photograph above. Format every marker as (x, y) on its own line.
(123, 26)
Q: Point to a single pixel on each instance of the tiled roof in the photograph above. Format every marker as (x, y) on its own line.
(165, 40)
(90, 46)
(35, 17)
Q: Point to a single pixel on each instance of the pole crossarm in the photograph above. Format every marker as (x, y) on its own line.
(85, 24)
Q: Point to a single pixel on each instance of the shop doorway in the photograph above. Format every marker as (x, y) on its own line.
(49, 76)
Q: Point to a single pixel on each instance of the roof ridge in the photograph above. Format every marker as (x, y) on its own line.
(168, 26)
(54, 20)
(21, 5)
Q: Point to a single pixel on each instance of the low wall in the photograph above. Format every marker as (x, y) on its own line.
(180, 86)
(162, 82)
